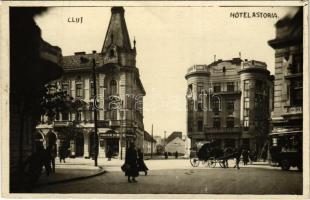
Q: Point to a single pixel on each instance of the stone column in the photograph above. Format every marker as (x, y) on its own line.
(86, 144)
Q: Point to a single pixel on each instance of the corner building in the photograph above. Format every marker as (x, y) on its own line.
(119, 97)
(229, 103)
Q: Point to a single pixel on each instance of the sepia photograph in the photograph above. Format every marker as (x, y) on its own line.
(157, 98)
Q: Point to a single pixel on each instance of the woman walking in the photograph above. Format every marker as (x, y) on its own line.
(141, 165)
(131, 168)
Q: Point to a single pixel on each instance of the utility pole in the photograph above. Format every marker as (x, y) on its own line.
(95, 115)
(165, 140)
(152, 143)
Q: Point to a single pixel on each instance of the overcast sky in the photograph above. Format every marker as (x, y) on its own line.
(169, 40)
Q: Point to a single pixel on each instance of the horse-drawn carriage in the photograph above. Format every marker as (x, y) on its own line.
(209, 155)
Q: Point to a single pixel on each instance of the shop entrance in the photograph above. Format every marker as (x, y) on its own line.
(79, 142)
(112, 146)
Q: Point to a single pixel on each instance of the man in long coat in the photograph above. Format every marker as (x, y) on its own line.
(131, 160)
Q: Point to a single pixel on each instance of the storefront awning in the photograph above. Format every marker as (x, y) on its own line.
(286, 132)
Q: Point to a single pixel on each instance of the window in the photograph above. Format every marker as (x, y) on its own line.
(297, 62)
(112, 54)
(114, 114)
(216, 106)
(246, 102)
(113, 87)
(78, 115)
(216, 122)
(200, 106)
(230, 122)
(246, 112)
(296, 93)
(65, 116)
(200, 125)
(246, 84)
(92, 89)
(199, 88)
(230, 107)
(79, 89)
(230, 86)
(217, 88)
(189, 124)
(246, 123)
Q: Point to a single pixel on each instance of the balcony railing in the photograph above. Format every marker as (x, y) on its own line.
(222, 130)
(62, 123)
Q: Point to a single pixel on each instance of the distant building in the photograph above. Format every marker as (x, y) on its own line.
(177, 144)
(229, 103)
(119, 96)
(149, 144)
(174, 142)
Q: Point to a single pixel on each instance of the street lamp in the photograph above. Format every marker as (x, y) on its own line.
(95, 115)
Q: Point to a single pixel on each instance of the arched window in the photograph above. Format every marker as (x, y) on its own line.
(112, 54)
(113, 87)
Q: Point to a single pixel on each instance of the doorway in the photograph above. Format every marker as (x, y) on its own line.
(113, 146)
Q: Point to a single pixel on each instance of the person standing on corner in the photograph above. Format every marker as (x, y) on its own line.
(141, 165)
(237, 156)
(131, 161)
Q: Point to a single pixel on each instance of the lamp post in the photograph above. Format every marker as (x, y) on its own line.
(95, 115)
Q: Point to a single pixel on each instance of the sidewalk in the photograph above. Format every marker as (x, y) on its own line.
(73, 169)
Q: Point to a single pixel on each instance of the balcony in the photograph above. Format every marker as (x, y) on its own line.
(222, 130)
(62, 123)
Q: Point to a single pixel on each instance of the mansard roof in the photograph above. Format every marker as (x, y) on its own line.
(81, 61)
(117, 32)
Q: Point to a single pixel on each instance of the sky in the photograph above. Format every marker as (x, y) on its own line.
(169, 41)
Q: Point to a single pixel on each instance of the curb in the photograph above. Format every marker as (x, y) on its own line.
(101, 171)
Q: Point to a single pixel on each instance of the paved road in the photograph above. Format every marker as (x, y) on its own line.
(178, 177)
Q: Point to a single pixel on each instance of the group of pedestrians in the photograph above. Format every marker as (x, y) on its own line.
(134, 163)
(34, 164)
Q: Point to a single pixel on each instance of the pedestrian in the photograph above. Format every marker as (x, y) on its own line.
(131, 165)
(166, 155)
(62, 153)
(225, 160)
(109, 153)
(245, 156)
(52, 153)
(176, 154)
(141, 165)
(237, 156)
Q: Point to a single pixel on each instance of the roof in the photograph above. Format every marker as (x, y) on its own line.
(117, 32)
(289, 30)
(81, 61)
(174, 135)
(148, 137)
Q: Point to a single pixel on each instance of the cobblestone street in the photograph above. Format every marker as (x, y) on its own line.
(179, 177)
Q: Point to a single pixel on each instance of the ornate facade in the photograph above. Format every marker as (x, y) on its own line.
(119, 100)
(229, 103)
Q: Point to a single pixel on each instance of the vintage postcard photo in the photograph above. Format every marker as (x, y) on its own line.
(145, 98)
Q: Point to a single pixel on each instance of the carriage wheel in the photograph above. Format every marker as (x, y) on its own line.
(194, 162)
(212, 162)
